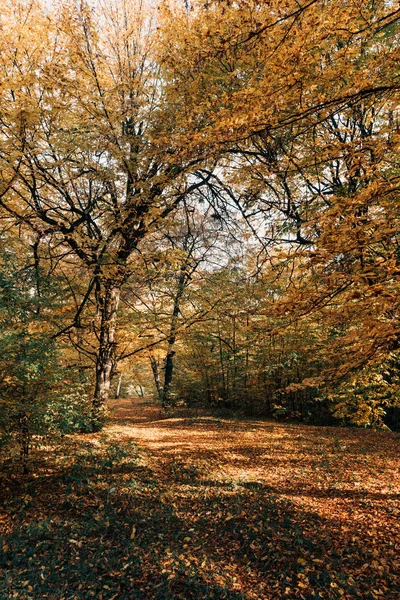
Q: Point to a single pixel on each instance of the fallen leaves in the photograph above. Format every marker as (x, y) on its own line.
(205, 523)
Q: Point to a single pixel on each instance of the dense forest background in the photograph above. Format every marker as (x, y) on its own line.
(199, 201)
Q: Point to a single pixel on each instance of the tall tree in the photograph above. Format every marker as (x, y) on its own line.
(85, 107)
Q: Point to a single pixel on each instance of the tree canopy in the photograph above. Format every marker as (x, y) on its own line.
(213, 187)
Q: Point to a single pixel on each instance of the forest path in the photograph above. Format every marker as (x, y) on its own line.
(198, 507)
(326, 467)
(337, 486)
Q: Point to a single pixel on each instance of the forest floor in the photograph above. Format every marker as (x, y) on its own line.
(196, 507)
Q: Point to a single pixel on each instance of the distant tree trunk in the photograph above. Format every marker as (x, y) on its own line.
(118, 390)
(169, 367)
(169, 359)
(105, 360)
(156, 375)
(224, 392)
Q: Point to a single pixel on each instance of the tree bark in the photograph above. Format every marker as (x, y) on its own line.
(169, 368)
(156, 374)
(118, 390)
(169, 359)
(107, 346)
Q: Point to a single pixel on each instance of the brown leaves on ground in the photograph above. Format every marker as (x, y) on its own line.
(199, 507)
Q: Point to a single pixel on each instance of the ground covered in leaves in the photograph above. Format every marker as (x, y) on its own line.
(195, 507)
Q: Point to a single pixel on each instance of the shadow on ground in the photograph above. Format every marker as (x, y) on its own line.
(112, 520)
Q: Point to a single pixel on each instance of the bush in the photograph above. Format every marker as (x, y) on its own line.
(37, 395)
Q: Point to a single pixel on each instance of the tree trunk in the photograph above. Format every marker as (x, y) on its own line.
(156, 374)
(107, 346)
(118, 390)
(169, 367)
(169, 359)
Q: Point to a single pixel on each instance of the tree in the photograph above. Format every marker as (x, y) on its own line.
(114, 117)
(306, 122)
(164, 306)
(85, 110)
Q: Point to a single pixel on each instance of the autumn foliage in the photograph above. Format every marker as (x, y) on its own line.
(199, 207)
